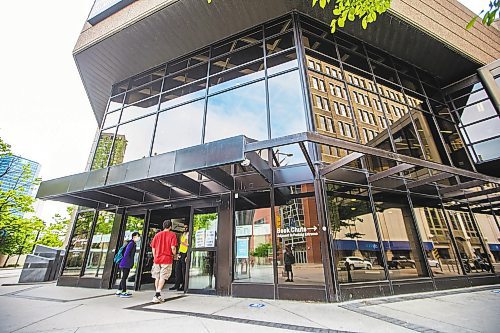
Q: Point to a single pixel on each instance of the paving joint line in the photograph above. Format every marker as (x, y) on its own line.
(299, 328)
(51, 316)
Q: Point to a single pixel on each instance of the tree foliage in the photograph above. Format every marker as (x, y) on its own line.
(490, 15)
(262, 250)
(54, 234)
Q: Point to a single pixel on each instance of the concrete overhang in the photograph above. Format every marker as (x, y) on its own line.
(149, 33)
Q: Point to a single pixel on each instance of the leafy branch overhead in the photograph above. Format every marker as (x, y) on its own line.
(490, 15)
(343, 10)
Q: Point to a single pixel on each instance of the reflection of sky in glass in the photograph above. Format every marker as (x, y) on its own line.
(140, 109)
(111, 119)
(240, 111)
(477, 111)
(286, 105)
(275, 64)
(138, 138)
(179, 128)
(483, 130)
(487, 150)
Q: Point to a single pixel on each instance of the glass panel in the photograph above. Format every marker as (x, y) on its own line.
(99, 245)
(473, 254)
(282, 62)
(476, 112)
(468, 95)
(78, 244)
(179, 128)
(357, 250)
(241, 111)
(235, 43)
(147, 77)
(142, 108)
(132, 224)
(299, 242)
(237, 58)
(188, 76)
(237, 76)
(254, 246)
(103, 149)
(384, 72)
(411, 83)
(320, 45)
(115, 102)
(354, 59)
(406, 140)
(111, 119)
(142, 93)
(286, 105)
(201, 270)
(276, 28)
(120, 88)
(189, 61)
(483, 130)
(280, 43)
(455, 144)
(399, 235)
(182, 95)
(288, 155)
(487, 150)
(438, 245)
(133, 140)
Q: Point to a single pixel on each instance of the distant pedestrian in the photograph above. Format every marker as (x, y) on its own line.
(126, 263)
(164, 246)
(289, 261)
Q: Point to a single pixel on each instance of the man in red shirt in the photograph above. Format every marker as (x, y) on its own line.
(164, 246)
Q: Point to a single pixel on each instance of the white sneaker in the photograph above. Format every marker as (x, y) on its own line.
(158, 299)
(118, 292)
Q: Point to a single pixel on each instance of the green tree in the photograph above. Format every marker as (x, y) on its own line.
(53, 235)
(203, 221)
(490, 14)
(262, 250)
(19, 235)
(342, 10)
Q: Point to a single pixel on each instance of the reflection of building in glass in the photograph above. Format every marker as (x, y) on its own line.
(103, 150)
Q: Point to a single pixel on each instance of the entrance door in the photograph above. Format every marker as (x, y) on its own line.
(133, 222)
(202, 263)
(179, 217)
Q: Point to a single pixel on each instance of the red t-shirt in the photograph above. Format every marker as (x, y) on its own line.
(162, 243)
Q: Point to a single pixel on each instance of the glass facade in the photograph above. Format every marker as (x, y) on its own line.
(345, 229)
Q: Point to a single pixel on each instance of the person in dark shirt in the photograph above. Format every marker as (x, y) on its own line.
(289, 259)
(127, 263)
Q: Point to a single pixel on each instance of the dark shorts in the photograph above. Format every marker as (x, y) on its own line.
(288, 268)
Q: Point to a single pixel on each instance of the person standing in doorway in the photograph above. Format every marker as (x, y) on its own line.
(289, 261)
(164, 246)
(127, 263)
(180, 269)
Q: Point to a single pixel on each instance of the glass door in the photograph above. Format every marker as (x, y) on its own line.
(133, 222)
(202, 264)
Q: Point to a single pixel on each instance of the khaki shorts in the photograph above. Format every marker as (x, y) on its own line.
(161, 271)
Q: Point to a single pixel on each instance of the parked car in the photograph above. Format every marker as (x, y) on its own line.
(433, 263)
(354, 263)
(400, 262)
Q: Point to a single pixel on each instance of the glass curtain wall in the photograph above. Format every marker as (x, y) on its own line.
(245, 85)
(78, 243)
(478, 121)
(99, 244)
(364, 95)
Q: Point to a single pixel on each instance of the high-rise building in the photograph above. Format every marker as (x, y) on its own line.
(370, 153)
(19, 174)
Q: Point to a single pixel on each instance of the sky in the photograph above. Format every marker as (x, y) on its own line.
(44, 112)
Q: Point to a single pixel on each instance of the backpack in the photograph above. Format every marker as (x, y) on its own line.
(119, 255)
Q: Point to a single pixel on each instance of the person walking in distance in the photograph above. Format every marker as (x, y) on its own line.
(180, 269)
(126, 263)
(289, 261)
(164, 246)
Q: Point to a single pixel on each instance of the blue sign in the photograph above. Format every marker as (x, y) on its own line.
(242, 247)
(257, 305)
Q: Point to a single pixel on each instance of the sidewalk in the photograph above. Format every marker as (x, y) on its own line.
(48, 308)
